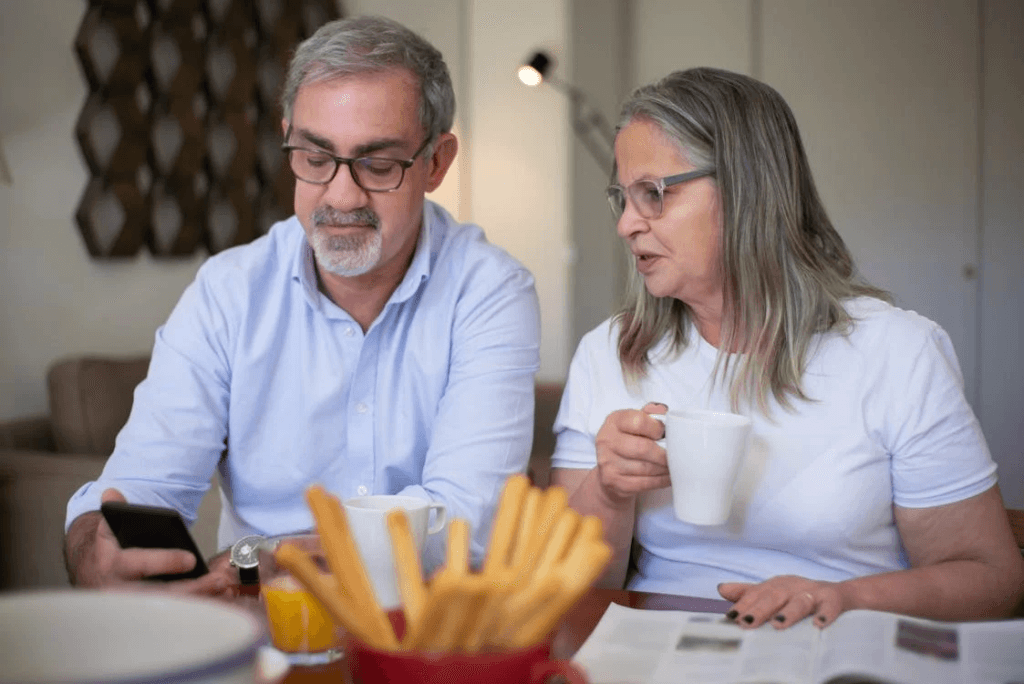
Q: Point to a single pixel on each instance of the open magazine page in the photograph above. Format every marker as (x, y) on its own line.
(993, 652)
(905, 650)
(890, 648)
(663, 647)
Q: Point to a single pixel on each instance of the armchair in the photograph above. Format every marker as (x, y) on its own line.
(45, 459)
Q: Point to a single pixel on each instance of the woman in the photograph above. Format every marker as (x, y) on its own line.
(868, 483)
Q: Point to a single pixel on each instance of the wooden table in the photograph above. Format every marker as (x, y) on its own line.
(578, 624)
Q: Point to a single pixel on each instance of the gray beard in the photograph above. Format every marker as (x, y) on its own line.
(348, 255)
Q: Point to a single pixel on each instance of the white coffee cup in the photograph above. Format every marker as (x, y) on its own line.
(705, 451)
(367, 518)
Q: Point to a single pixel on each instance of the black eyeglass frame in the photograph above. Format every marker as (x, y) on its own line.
(615, 190)
(404, 164)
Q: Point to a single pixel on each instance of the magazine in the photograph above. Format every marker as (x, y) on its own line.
(862, 646)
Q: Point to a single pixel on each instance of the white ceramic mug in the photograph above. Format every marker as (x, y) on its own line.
(705, 451)
(367, 518)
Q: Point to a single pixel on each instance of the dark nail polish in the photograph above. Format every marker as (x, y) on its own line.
(820, 618)
(780, 618)
(732, 614)
(658, 403)
(748, 619)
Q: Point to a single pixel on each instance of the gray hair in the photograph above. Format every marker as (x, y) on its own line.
(347, 47)
(786, 269)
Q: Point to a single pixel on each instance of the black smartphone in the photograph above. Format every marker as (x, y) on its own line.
(152, 527)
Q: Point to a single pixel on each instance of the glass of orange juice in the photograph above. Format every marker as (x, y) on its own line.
(299, 625)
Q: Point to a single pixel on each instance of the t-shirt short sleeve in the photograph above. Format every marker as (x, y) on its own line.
(939, 454)
(575, 424)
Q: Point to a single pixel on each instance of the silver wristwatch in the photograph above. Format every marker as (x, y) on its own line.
(245, 556)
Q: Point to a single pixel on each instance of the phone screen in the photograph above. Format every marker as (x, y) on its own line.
(152, 527)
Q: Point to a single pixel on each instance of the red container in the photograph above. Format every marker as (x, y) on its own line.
(526, 666)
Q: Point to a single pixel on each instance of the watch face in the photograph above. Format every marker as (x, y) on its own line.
(245, 552)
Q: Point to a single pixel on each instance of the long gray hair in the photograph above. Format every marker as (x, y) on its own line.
(786, 269)
(347, 47)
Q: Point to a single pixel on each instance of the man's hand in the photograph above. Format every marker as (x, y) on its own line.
(95, 559)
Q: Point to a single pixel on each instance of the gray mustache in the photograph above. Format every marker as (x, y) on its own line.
(329, 216)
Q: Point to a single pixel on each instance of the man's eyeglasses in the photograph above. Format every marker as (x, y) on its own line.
(648, 195)
(373, 174)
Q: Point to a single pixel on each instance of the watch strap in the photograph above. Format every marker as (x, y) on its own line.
(249, 575)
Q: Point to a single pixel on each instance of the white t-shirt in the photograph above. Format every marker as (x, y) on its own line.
(888, 424)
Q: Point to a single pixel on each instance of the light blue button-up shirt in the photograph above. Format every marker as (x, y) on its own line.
(254, 364)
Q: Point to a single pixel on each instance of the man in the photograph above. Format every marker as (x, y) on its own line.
(369, 343)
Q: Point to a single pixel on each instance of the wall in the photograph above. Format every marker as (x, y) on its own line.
(601, 64)
(1001, 321)
(519, 155)
(54, 300)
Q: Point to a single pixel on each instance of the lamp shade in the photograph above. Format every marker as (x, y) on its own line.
(590, 126)
(532, 73)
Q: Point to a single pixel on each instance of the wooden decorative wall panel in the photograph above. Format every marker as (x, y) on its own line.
(181, 129)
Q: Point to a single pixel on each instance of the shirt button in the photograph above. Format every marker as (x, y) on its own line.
(361, 407)
(349, 332)
(362, 490)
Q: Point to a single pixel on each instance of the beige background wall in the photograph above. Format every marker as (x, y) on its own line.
(911, 112)
(1000, 332)
(55, 300)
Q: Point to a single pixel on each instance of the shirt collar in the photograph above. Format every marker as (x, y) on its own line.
(419, 268)
(304, 271)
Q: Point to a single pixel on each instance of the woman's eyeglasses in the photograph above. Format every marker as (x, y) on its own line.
(648, 195)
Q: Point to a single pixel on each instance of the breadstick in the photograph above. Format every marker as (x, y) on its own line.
(458, 548)
(556, 499)
(581, 565)
(557, 575)
(503, 531)
(408, 568)
(591, 530)
(521, 606)
(581, 568)
(439, 599)
(497, 589)
(460, 611)
(345, 561)
(552, 502)
(561, 536)
(298, 562)
(520, 550)
(477, 602)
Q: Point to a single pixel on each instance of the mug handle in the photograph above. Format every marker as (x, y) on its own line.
(660, 417)
(541, 672)
(440, 517)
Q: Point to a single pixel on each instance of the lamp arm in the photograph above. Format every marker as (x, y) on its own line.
(599, 151)
(586, 119)
(592, 116)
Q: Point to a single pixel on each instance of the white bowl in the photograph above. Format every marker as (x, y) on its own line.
(82, 636)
